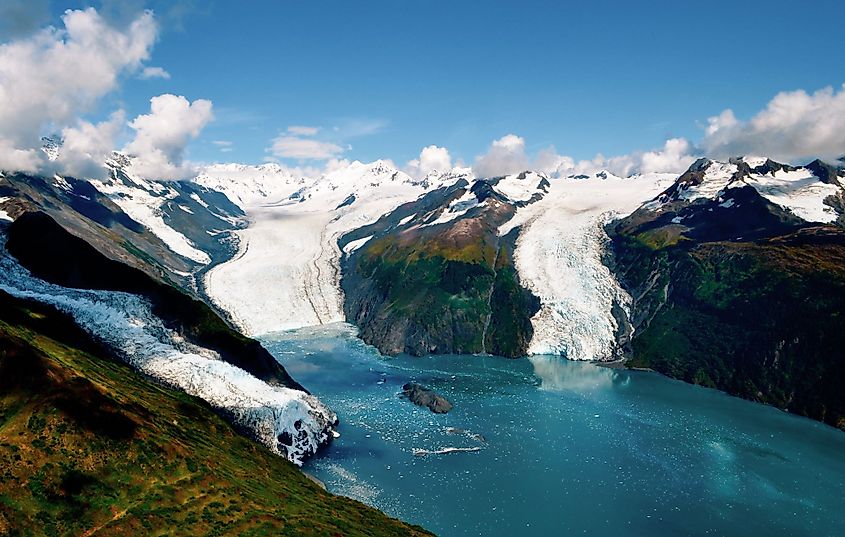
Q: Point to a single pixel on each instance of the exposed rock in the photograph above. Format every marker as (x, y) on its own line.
(422, 396)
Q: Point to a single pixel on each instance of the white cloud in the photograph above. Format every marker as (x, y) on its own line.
(14, 159)
(301, 130)
(295, 147)
(49, 79)
(505, 155)
(225, 146)
(86, 146)
(154, 72)
(163, 135)
(432, 158)
(794, 126)
(675, 156)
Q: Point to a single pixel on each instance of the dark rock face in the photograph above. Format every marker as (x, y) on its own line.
(749, 300)
(422, 396)
(53, 254)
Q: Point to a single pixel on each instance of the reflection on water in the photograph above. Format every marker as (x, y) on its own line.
(559, 374)
(546, 446)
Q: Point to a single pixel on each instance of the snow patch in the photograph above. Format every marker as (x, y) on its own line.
(60, 182)
(799, 191)
(407, 219)
(3, 214)
(351, 246)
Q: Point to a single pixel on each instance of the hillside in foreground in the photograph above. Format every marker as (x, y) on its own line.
(89, 446)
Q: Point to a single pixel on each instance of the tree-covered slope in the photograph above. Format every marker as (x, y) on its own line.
(89, 446)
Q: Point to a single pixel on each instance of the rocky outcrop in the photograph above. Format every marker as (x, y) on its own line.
(422, 396)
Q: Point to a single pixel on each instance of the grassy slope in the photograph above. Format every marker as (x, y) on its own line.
(87, 445)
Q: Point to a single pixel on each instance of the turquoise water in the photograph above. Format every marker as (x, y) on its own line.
(563, 448)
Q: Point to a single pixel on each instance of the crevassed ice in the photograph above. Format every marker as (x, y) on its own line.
(289, 422)
(559, 258)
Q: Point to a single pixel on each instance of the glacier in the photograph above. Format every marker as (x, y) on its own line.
(286, 273)
(559, 253)
(289, 422)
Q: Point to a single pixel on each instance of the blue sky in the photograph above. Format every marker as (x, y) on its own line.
(386, 78)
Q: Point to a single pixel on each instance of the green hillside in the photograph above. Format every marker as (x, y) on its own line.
(87, 446)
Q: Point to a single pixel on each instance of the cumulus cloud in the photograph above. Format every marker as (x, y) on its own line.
(86, 146)
(674, 157)
(163, 135)
(12, 158)
(795, 125)
(508, 155)
(432, 158)
(48, 79)
(154, 72)
(297, 147)
(505, 155)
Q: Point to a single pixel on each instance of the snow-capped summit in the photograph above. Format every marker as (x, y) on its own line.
(809, 192)
(51, 146)
(247, 185)
(523, 187)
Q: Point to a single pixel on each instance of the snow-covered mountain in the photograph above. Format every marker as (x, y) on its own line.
(190, 218)
(812, 192)
(736, 274)
(286, 273)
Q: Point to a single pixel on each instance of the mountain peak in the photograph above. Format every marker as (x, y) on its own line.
(51, 146)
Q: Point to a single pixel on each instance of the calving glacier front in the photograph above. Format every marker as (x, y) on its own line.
(290, 422)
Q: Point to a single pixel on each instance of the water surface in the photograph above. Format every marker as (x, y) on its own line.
(554, 447)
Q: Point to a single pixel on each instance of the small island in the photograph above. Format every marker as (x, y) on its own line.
(422, 396)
